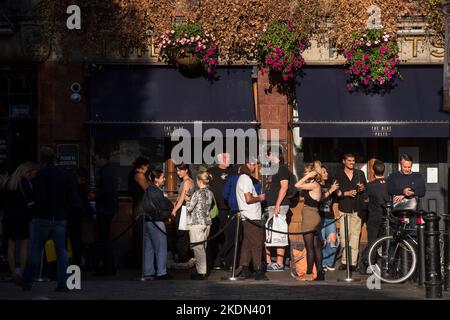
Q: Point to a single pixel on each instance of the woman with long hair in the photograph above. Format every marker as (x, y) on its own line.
(329, 233)
(198, 207)
(311, 188)
(181, 238)
(19, 201)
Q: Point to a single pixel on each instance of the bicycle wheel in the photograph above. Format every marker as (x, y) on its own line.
(392, 261)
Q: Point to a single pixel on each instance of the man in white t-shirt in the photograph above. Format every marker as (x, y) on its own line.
(249, 203)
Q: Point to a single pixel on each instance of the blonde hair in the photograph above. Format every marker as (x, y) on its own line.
(204, 177)
(22, 171)
(317, 167)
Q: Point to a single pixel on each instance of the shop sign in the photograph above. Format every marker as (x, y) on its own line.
(20, 111)
(381, 131)
(68, 156)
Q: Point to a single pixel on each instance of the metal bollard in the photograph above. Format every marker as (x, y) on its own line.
(421, 247)
(348, 254)
(446, 252)
(433, 283)
(236, 244)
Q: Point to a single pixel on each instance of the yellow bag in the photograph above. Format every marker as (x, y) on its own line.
(50, 250)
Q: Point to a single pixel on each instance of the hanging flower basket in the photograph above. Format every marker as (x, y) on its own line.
(280, 50)
(372, 63)
(189, 48)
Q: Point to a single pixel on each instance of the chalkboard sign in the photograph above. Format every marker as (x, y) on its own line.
(68, 156)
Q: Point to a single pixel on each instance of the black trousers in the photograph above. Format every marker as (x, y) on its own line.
(373, 233)
(105, 249)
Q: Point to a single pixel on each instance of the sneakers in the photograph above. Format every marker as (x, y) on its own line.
(274, 267)
(329, 268)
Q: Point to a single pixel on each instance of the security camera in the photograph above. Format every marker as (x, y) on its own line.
(75, 97)
(75, 87)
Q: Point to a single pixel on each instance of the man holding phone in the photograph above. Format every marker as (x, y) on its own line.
(405, 186)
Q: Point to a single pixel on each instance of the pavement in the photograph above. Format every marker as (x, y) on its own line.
(281, 286)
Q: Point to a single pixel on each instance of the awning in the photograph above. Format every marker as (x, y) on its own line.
(412, 109)
(148, 101)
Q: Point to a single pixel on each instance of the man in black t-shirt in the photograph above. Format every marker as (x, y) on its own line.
(352, 185)
(221, 249)
(377, 194)
(277, 202)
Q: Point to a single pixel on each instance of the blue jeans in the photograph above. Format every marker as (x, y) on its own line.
(155, 244)
(329, 250)
(42, 229)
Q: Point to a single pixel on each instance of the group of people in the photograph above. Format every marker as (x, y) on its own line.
(47, 202)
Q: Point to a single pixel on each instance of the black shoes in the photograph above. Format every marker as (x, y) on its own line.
(343, 267)
(245, 274)
(198, 276)
(164, 277)
(320, 276)
(261, 276)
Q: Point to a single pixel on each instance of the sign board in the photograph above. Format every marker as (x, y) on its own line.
(68, 156)
(20, 111)
(432, 175)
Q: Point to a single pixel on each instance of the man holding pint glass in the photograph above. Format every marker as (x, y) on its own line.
(352, 183)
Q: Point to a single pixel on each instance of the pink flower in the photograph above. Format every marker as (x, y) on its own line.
(366, 57)
(302, 47)
(212, 61)
(285, 77)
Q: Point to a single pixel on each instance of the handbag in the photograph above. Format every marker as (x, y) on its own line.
(214, 212)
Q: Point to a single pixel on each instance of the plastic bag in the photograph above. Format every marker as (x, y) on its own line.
(185, 220)
(275, 239)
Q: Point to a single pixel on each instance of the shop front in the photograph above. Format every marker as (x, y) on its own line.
(408, 119)
(135, 109)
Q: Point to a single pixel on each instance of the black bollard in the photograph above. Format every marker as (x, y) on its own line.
(446, 252)
(433, 283)
(421, 247)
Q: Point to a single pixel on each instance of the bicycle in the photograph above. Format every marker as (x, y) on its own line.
(393, 257)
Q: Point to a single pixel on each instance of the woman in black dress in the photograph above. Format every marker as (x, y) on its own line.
(18, 204)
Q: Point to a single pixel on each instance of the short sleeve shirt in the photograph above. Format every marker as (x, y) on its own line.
(249, 211)
(273, 186)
